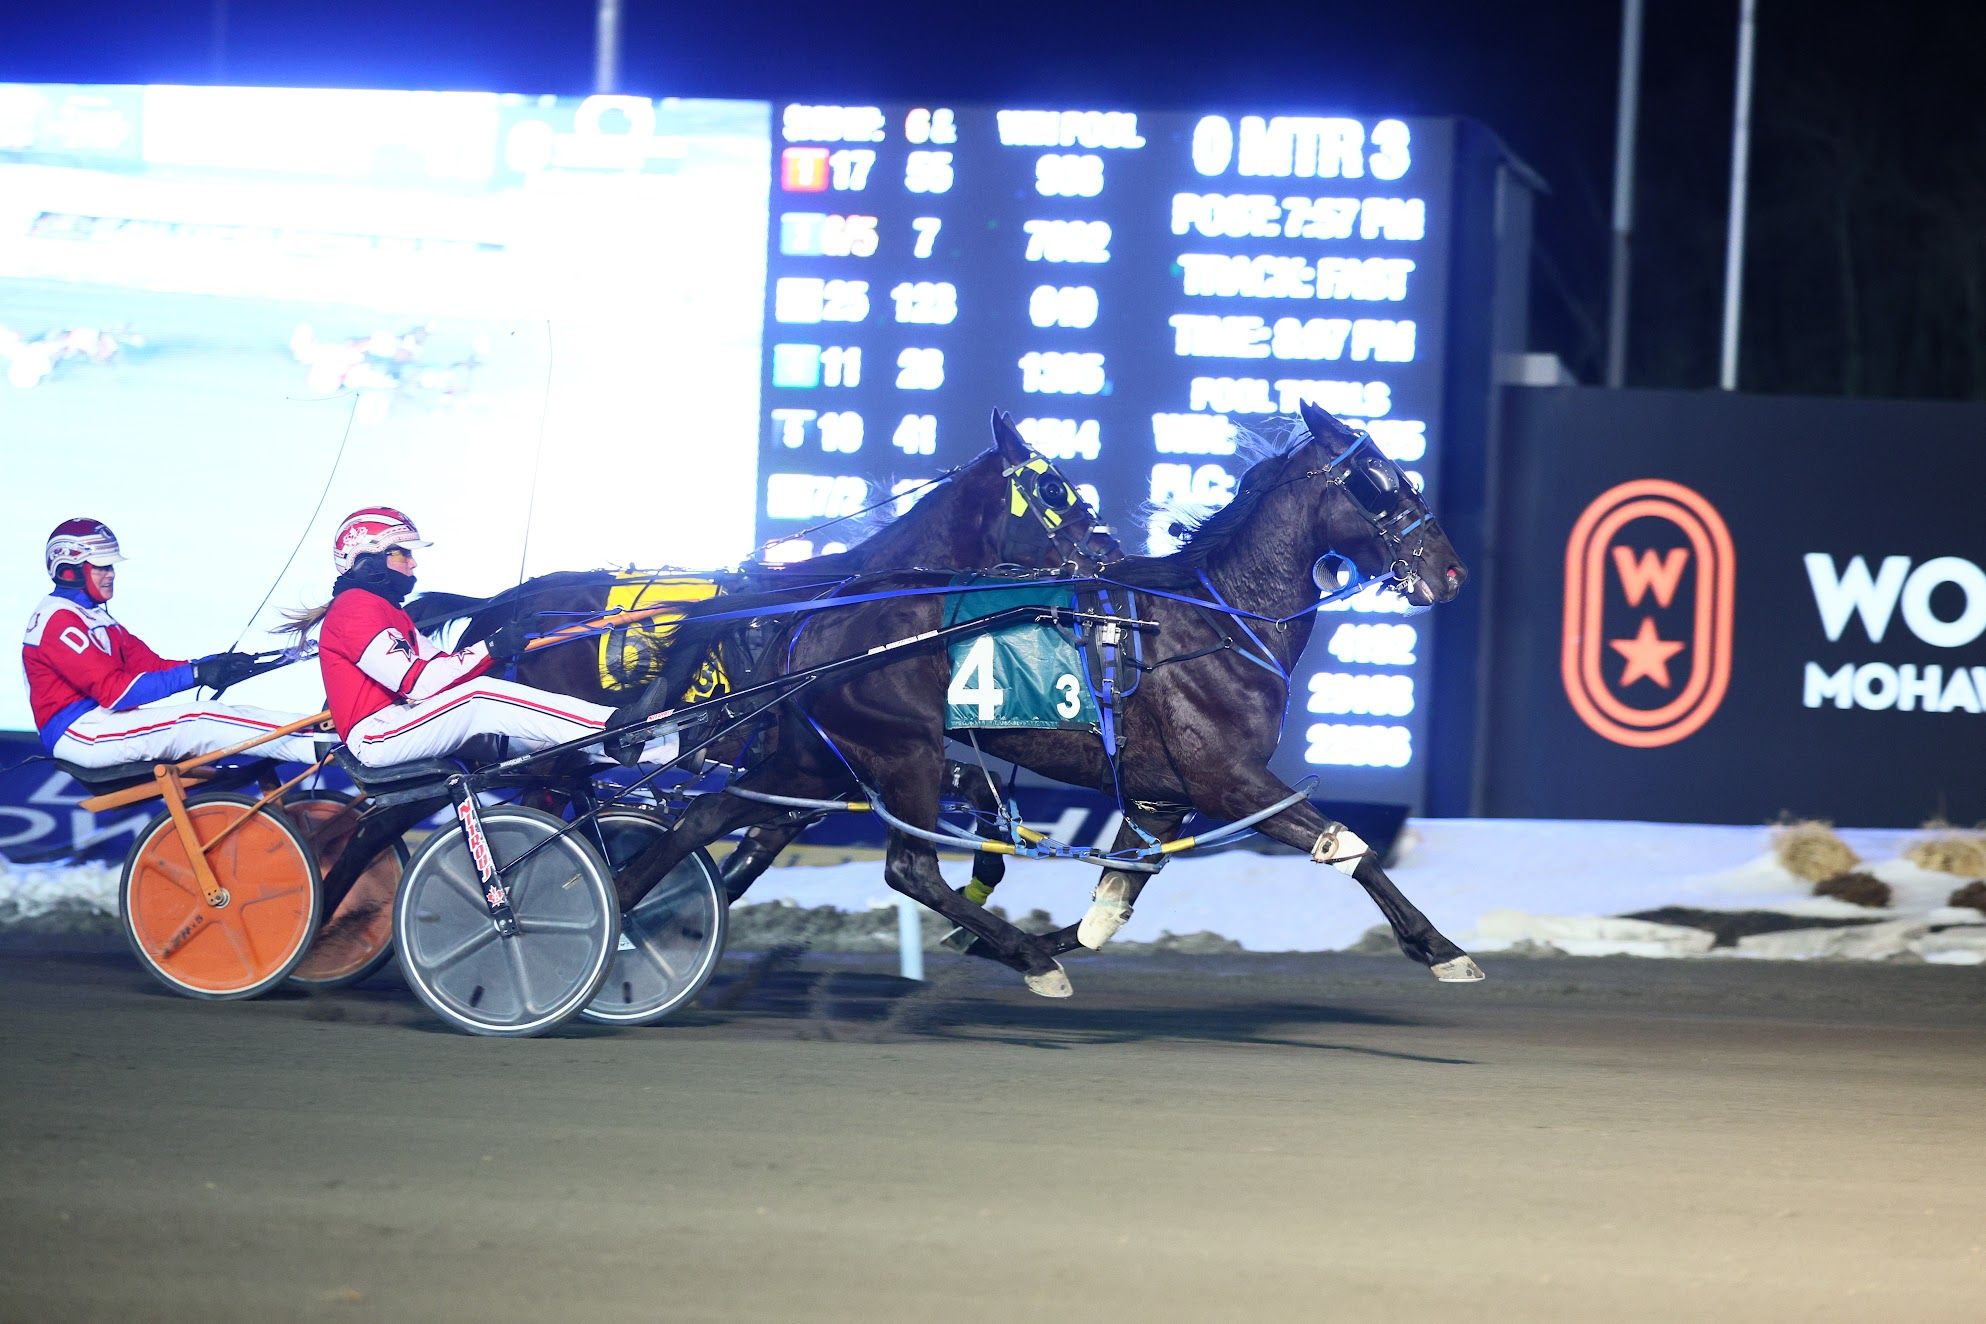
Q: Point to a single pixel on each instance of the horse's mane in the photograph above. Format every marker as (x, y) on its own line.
(431, 610)
(877, 516)
(1205, 533)
(873, 533)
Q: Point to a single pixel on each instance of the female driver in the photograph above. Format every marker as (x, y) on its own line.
(395, 694)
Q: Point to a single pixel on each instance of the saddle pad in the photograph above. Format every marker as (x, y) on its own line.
(1024, 676)
(633, 655)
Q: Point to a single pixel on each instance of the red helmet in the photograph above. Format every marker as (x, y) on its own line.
(373, 529)
(75, 543)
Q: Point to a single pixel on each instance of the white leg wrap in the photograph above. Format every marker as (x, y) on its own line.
(1110, 908)
(1341, 849)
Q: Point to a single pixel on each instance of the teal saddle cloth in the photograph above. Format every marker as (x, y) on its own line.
(1024, 676)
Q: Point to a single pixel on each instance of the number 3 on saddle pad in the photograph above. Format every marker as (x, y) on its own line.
(1020, 676)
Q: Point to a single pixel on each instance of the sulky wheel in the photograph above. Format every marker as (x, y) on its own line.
(567, 925)
(249, 943)
(356, 939)
(670, 942)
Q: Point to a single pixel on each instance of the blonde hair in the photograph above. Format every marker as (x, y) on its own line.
(300, 621)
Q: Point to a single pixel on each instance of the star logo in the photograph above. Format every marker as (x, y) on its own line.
(1647, 655)
(400, 645)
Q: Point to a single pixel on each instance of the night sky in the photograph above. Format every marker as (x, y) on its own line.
(1867, 271)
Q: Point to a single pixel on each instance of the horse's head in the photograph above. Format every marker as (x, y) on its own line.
(1044, 520)
(1381, 523)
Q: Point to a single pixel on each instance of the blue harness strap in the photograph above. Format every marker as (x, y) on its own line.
(1104, 688)
(1265, 658)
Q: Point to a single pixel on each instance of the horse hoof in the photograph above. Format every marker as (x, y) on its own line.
(1109, 910)
(1051, 983)
(1461, 970)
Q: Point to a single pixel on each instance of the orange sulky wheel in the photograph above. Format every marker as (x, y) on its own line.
(237, 950)
(357, 938)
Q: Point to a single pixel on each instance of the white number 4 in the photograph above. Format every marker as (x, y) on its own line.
(972, 683)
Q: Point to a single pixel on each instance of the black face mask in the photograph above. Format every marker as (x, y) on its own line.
(371, 573)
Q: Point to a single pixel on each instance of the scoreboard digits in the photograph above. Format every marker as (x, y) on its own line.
(1129, 286)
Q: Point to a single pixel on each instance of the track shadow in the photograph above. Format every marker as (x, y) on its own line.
(867, 1006)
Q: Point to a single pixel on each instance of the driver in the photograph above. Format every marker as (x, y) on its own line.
(396, 695)
(94, 686)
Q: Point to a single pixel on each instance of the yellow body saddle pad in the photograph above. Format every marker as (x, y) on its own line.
(632, 655)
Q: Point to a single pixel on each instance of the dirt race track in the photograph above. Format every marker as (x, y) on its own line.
(1317, 1137)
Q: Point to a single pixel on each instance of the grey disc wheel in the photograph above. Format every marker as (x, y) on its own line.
(567, 926)
(669, 943)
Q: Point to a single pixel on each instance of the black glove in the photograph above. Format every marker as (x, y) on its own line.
(508, 643)
(217, 671)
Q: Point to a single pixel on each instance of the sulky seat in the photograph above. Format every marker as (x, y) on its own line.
(394, 782)
(113, 778)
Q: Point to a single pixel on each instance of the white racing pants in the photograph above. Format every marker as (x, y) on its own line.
(437, 725)
(164, 733)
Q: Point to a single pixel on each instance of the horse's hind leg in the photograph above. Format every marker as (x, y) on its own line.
(378, 829)
(708, 818)
(1304, 828)
(754, 855)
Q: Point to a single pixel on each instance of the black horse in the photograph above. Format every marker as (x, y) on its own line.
(1007, 506)
(1198, 731)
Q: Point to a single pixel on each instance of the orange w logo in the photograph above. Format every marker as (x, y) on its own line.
(1640, 575)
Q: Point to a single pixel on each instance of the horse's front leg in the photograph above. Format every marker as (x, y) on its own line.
(969, 783)
(1335, 844)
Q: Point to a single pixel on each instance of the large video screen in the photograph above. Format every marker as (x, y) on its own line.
(569, 333)
(1129, 286)
(229, 316)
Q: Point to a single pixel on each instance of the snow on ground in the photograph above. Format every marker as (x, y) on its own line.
(1489, 884)
(28, 891)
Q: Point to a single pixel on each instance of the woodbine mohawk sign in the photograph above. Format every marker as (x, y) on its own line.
(1720, 608)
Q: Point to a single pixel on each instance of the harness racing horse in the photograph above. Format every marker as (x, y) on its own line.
(1006, 506)
(1233, 609)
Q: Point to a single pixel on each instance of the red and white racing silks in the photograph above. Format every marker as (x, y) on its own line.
(75, 652)
(93, 686)
(396, 695)
(374, 658)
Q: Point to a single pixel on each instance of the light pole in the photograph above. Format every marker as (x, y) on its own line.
(1734, 243)
(1624, 129)
(607, 47)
